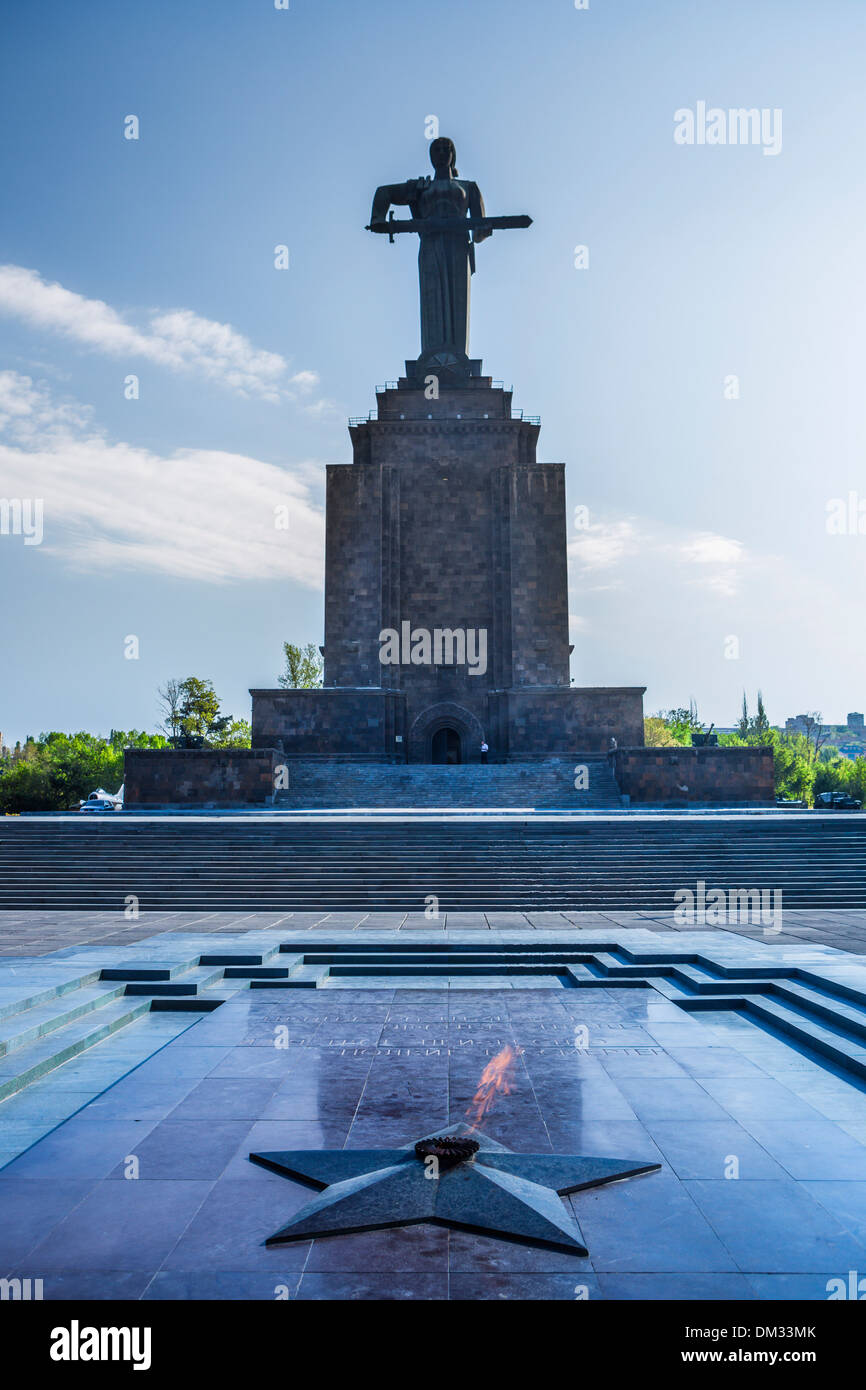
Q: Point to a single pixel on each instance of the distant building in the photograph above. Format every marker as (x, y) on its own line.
(849, 738)
(800, 724)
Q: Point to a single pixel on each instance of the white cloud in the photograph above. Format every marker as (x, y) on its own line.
(603, 544)
(180, 340)
(721, 561)
(708, 549)
(28, 412)
(305, 381)
(640, 545)
(194, 514)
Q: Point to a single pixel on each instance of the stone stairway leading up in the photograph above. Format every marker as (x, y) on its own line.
(282, 862)
(545, 785)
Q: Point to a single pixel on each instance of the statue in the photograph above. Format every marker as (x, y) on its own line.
(448, 214)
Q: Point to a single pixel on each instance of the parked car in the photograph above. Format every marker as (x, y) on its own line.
(837, 801)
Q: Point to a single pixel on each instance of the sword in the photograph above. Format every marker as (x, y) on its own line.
(455, 225)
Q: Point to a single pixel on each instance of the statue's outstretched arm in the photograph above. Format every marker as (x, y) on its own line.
(388, 193)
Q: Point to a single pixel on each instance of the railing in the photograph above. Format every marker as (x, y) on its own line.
(374, 415)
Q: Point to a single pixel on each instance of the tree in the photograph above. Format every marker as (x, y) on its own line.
(760, 725)
(680, 724)
(170, 696)
(814, 730)
(192, 709)
(56, 771)
(233, 733)
(303, 667)
(757, 728)
(742, 725)
(199, 708)
(802, 766)
(656, 733)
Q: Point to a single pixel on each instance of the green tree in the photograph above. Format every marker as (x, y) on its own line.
(236, 733)
(760, 725)
(191, 708)
(303, 670)
(802, 766)
(656, 733)
(680, 723)
(57, 770)
(198, 711)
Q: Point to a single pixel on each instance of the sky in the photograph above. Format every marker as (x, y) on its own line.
(699, 367)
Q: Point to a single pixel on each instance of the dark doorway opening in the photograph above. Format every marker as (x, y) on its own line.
(445, 747)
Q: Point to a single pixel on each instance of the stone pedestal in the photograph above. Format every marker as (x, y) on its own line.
(446, 531)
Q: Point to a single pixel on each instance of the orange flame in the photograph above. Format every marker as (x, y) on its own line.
(497, 1078)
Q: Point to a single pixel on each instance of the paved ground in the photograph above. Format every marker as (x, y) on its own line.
(710, 1098)
(128, 1172)
(37, 933)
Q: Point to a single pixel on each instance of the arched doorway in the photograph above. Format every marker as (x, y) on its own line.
(445, 746)
(445, 718)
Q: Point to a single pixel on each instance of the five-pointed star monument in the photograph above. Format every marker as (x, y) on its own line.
(497, 1192)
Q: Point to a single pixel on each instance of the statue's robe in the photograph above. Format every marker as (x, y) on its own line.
(445, 259)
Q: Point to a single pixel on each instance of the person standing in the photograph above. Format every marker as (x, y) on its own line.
(484, 750)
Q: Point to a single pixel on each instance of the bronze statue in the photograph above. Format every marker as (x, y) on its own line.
(448, 214)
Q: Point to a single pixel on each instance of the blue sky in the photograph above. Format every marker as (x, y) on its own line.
(259, 127)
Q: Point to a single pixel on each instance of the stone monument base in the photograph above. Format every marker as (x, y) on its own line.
(371, 724)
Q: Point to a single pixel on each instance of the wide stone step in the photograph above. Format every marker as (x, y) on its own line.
(29, 1063)
(230, 864)
(189, 982)
(41, 1019)
(532, 785)
(16, 996)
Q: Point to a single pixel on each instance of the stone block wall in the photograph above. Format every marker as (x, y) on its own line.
(355, 724)
(531, 723)
(205, 777)
(688, 776)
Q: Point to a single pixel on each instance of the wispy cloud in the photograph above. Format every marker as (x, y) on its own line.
(180, 339)
(603, 544)
(638, 545)
(193, 514)
(716, 562)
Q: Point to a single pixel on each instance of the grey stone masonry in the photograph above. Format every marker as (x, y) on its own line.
(207, 777)
(446, 532)
(696, 776)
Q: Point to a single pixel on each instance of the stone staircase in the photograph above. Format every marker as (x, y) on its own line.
(70, 1028)
(45, 1024)
(545, 785)
(280, 862)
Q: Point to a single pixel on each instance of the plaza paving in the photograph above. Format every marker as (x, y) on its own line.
(25, 933)
(761, 1135)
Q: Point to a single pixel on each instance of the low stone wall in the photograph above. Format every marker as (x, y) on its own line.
(359, 724)
(211, 778)
(549, 721)
(687, 776)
